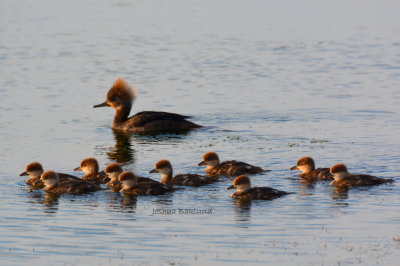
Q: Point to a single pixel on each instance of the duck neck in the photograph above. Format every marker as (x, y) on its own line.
(122, 113)
(166, 178)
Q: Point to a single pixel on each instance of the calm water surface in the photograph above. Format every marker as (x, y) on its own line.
(271, 81)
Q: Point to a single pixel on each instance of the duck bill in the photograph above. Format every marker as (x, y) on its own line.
(37, 181)
(230, 187)
(201, 163)
(23, 174)
(294, 168)
(153, 171)
(78, 169)
(105, 104)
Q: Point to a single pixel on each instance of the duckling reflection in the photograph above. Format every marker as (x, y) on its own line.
(48, 200)
(129, 202)
(242, 210)
(339, 195)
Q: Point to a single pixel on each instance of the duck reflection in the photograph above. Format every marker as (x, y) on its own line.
(117, 202)
(242, 210)
(128, 203)
(340, 195)
(49, 201)
(123, 152)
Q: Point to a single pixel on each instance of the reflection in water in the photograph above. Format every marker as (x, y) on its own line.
(117, 202)
(48, 200)
(128, 203)
(306, 187)
(122, 152)
(339, 195)
(242, 210)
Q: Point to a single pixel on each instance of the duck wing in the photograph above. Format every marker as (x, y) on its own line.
(142, 118)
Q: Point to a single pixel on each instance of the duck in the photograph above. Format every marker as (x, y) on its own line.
(90, 167)
(121, 96)
(114, 170)
(308, 172)
(342, 178)
(164, 167)
(130, 185)
(228, 168)
(34, 170)
(244, 191)
(52, 184)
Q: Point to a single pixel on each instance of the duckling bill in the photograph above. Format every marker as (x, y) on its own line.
(121, 96)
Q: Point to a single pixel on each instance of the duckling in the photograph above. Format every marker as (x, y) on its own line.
(244, 190)
(90, 167)
(121, 97)
(308, 172)
(164, 167)
(114, 170)
(342, 178)
(227, 168)
(34, 171)
(130, 185)
(52, 184)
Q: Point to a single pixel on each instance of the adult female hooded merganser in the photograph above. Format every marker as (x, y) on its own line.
(90, 167)
(246, 192)
(114, 170)
(121, 96)
(52, 184)
(308, 172)
(164, 167)
(227, 168)
(34, 170)
(342, 178)
(130, 185)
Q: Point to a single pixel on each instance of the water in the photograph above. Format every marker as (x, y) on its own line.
(271, 81)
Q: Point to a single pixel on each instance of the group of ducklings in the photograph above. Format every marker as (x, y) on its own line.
(120, 97)
(127, 182)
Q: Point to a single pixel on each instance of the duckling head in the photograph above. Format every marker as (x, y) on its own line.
(339, 171)
(128, 179)
(210, 159)
(305, 165)
(113, 171)
(89, 166)
(240, 183)
(33, 170)
(121, 95)
(49, 178)
(163, 167)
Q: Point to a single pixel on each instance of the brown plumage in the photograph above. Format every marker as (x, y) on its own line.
(34, 170)
(90, 167)
(308, 172)
(244, 190)
(121, 97)
(130, 185)
(342, 178)
(164, 167)
(114, 170)
(227, 168)
(54, 185)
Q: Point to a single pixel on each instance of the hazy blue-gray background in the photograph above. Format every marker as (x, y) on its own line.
(272, 80)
